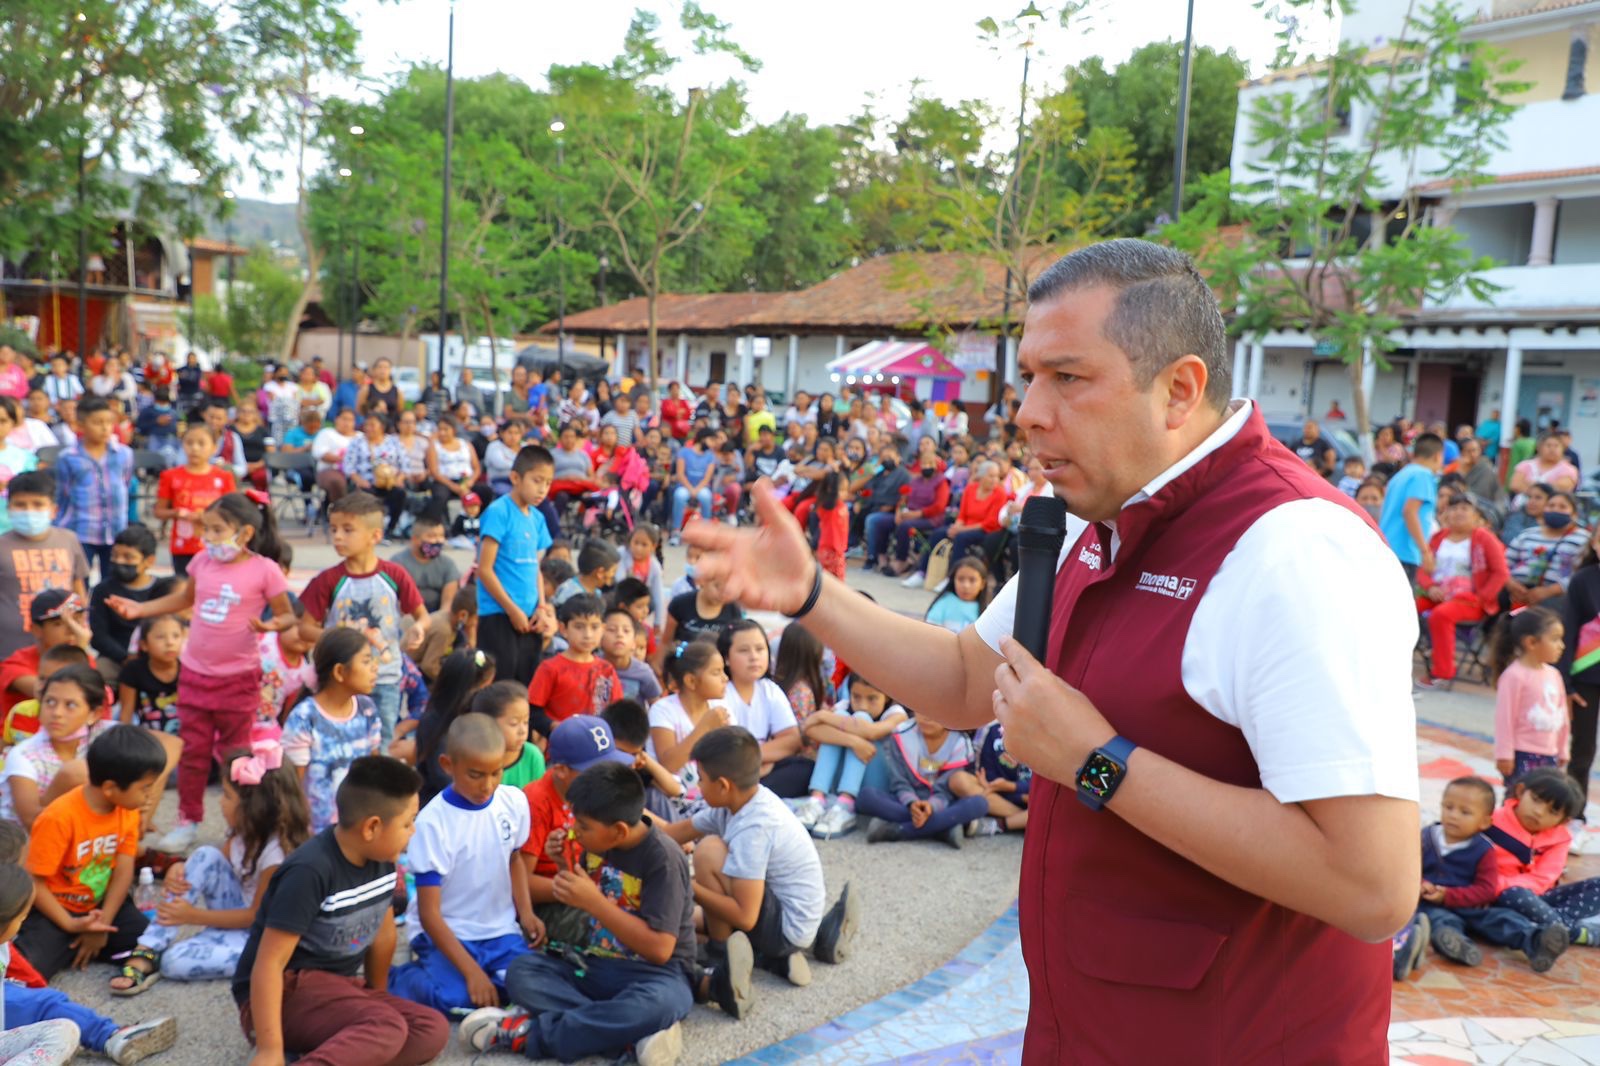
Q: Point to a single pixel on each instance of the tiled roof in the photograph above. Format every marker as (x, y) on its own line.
(1536, 9)
(1519, 176)
(714, 312)
(206, 245)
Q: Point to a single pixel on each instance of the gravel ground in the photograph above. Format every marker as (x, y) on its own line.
(922, 903)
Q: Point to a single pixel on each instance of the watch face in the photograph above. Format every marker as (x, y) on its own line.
(1099, 775)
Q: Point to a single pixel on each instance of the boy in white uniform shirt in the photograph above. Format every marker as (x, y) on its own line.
(471, 914)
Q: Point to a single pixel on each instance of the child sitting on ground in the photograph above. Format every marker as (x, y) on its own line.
(848, 739)
(618, 643)
(575, 745)
(81, 857)
(132, 555)
(35, 555)
(597, 570)
(461, 677)
(630, 729)
(470, 916)
(1006, 785)
(964, 598)
(755, 869)
(220, 889)
(757, 703)
(677, 722)
(685, 583)
(452, 627)
(644, 564)
(147, 686)
(575, 681)
(703, 613)
(1531, 720)
(1532, 912)
(633, 596)
(69, 718)
(326, 733)
(507, 704)
(22, 721)
(327, 920)
(464, 531)
(286, 670)
(1460, 872)
(26, 1005)
(930, 793)
(631, 986)
(57, 618)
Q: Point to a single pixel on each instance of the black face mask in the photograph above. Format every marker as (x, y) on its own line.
(123, 573)
(929, 471)
(890, 464)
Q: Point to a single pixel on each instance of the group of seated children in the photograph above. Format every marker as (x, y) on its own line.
(1492, 874)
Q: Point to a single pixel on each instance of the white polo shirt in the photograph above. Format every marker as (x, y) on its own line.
(1303, 640)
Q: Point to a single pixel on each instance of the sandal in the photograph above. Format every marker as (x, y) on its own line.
(142, 979)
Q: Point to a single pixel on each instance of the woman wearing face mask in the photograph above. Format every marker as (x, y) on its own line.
(1542, 558)
(1469, 570)
(922, 508)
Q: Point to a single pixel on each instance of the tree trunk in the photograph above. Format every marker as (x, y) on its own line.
(1361, 402)
(291, 328)
(494, 353)
(650, 331)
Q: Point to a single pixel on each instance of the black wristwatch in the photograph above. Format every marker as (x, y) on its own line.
(1102, 772)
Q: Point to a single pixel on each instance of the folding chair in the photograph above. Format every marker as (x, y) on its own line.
(47, 455)
(293, 487)
(147, 468)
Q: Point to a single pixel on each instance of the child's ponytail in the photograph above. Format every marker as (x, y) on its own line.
(1527, 624)
(690, 658)
(253, 509)
(460, 677)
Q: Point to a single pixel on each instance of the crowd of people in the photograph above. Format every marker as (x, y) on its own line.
(587, 797)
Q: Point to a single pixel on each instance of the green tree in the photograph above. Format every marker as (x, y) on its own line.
(1329, 234)
(1138, 97)
(794, 174)
(159, 82)
(251, 321)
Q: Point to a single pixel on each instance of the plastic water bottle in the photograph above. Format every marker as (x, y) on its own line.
(147, 894)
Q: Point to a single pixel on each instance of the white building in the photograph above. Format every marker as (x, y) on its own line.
(1533, 351)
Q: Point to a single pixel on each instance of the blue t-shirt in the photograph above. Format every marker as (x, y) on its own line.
(1415, 482)
(296, 437)
(521, 537)
(536, 396)
(696, 463)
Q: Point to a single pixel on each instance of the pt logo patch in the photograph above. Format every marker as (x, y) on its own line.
(1168, 585)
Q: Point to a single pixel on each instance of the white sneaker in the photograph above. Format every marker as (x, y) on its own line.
(1580, 838)
(179, 839)
(941, 586)
(913, 579)
(135, 1043)
(809, 810)
(836, 823)
(985, 827)
(660, 1049)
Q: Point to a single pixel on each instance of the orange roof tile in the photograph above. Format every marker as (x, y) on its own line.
(1519, 176)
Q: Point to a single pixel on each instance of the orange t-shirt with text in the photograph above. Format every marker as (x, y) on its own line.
(187, 491)
(75, 849)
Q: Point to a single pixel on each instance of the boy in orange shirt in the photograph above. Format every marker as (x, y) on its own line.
(81, 857)
(184, 492)
(576, 681)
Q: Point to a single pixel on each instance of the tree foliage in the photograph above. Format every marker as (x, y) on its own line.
(1329, 232)
(251, 321)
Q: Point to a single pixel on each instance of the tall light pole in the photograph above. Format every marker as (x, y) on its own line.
(444, 211)
(1180, 152)
(338, 319)
(558, 128)
(355, 273)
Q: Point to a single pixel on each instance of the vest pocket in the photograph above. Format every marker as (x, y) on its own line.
(1130, 949)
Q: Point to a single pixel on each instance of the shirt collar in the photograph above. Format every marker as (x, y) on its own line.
(456, 799)
(1238, 415)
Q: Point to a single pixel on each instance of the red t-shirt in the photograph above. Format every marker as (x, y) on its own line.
(187, 491)
(833, 528)
(547, 812)
(563, 688)
(218, 384)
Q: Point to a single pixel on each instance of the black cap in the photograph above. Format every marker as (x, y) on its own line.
(53, 603)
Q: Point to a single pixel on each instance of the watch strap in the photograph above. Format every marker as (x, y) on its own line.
(1119, 748)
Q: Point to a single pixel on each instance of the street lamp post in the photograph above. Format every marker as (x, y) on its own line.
(605, 265)
(1180, 152)
(355, 278)
(444, 211)
(558, 127)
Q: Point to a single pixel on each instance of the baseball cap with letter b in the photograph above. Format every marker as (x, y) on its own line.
(583, 741)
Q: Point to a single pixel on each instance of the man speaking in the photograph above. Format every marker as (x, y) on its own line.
(1223, 831)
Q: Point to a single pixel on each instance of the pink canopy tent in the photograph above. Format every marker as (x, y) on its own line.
(889, 362)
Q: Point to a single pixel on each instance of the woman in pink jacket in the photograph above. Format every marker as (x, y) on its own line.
(1464, 585)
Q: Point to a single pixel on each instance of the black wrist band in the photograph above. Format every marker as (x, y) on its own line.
(811, 600)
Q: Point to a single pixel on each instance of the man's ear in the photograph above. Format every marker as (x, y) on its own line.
(446, 766)
(371, 827)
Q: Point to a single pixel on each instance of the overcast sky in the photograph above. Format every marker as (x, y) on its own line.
(822, 58)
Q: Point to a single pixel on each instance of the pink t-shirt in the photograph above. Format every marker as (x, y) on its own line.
(13, 381)
(1530, 469)
(1530, 712)
(226, 596)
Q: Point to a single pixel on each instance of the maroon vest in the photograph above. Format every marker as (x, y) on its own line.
(1136, 955)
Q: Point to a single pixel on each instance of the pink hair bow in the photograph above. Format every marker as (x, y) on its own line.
(265, 756)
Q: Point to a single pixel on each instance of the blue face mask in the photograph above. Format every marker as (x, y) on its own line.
(30, 523)
(1555, 521)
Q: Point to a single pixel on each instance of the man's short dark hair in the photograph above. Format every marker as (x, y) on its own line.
(617, 610)
(608, 793)
(124, 755)
(579, 607)
(1426, 446)
(556, 571)
(138, 537)
(1164, 308)
(375, 786)
(629, 590)
(33, 483)
(597, 554)
(357, 505)
(531, 456)
(429, 519)
(13, 840)
(92, 405)
(730, 752)
(629, 722)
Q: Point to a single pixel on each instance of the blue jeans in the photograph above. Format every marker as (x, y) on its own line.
(614, 1005)
(1569, 905)
(386, 697)
(680, 503)
(211, 954)
(432, 980)
(879, 527)
(875, 803)
(26, 1006)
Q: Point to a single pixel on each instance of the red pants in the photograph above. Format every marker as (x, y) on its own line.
(214, 717)
(330, 1020)
(1442, 621)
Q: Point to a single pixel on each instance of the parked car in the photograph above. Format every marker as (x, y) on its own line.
(408, 379)
(1289, 434)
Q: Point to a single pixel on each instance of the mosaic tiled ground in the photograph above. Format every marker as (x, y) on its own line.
(972, 1009)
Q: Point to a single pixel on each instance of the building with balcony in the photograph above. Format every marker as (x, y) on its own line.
(1533, 349)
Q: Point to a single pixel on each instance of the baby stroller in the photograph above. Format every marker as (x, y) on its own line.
(608, 513)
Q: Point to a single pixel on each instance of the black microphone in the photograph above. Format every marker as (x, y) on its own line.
(1039, 538)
